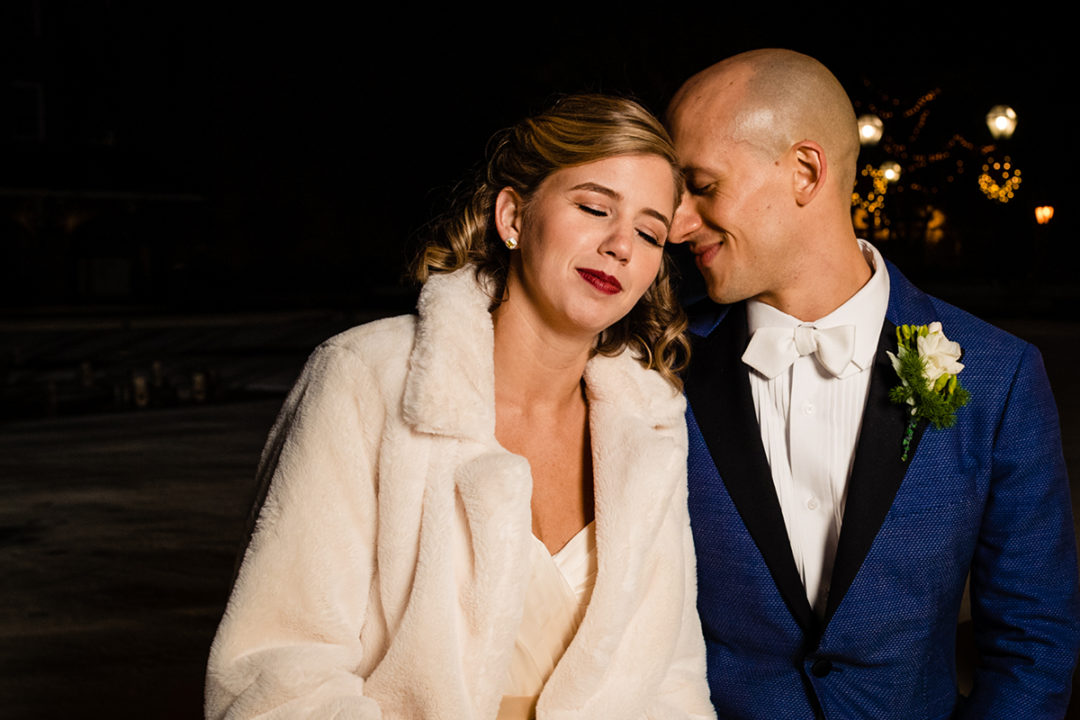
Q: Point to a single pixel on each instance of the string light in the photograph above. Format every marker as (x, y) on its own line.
(921, 102)
(997, 184)
(874, 199)
(1003, 190)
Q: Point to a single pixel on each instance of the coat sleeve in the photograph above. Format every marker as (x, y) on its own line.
(291, 643)
(1024, 573)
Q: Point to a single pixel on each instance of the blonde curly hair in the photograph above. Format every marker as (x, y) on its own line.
(577, 129)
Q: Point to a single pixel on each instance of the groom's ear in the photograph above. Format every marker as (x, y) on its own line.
(811, 169)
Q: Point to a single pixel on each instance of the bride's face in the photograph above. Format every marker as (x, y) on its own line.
(590, 240)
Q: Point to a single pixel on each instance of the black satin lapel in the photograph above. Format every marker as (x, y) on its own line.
(876, 472)
(718, 390)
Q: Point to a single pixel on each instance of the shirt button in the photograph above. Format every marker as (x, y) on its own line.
(821, 667)
(808, 409)
(812, 504)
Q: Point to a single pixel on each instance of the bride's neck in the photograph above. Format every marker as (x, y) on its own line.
(534, 365)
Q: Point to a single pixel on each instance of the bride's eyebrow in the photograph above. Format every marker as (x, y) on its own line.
(614, 195)
(596, 187)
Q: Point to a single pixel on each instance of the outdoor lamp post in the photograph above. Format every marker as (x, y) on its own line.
(890, 170)
(870, 129)
(1002, 122)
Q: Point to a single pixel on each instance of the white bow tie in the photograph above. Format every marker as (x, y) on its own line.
(773, 349)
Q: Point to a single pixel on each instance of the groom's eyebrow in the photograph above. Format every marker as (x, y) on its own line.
(614, 195)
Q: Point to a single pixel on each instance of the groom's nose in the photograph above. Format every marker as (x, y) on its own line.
(686, 221)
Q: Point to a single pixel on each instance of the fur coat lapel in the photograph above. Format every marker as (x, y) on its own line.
(450, 388)
(476, 519)
(638, 432)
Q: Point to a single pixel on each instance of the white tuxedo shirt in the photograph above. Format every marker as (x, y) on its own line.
(810, 421)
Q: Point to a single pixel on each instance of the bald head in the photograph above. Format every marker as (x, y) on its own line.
(769, 143)
(771, 99)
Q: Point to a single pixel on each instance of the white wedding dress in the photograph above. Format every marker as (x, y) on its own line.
(559, 590)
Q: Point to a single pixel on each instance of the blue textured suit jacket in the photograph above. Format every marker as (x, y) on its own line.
(989, 495)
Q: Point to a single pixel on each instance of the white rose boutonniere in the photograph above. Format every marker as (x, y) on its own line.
(927, 363)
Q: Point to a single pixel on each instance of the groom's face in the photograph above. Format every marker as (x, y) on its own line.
(734, 215)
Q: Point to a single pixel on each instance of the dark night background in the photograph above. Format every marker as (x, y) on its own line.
(192, 196)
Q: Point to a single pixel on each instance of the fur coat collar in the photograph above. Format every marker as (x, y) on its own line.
(455, 338)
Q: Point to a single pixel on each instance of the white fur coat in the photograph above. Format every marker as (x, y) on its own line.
(352, 601)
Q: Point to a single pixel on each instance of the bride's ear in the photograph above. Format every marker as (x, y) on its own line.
(508, 209)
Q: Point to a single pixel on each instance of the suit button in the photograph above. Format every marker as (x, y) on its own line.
(821, 667)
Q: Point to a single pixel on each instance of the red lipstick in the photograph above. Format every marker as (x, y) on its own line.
(600, 280)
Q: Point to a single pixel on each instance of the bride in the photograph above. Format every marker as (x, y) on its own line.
(480, 511)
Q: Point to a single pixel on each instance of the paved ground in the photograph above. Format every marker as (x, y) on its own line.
(119, 534)
(119, 531)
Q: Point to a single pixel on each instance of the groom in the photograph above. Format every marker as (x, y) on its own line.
(830, 566)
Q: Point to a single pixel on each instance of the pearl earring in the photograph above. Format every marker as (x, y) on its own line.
(511, 242)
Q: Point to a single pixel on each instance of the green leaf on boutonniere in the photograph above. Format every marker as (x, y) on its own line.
(927, 364)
